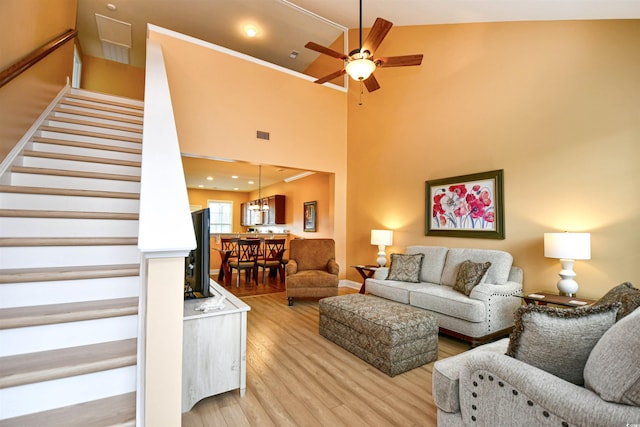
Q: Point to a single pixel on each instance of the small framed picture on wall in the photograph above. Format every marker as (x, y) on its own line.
(310, 209)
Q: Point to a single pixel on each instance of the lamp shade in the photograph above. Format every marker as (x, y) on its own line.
(382, 237)
(567, 245)
(360, 69)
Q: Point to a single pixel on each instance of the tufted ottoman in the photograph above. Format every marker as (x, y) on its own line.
(391, 336)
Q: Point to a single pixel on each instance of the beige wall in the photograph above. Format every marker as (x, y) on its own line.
(100, 75)
(554, 104)
(25, 25)
(220, 101)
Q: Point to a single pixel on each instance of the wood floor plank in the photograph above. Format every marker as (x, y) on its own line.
(296, 377)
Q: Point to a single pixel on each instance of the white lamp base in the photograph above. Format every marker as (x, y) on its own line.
(382, 256)
(566, 285)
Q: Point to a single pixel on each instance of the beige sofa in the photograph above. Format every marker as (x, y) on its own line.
(485, 314)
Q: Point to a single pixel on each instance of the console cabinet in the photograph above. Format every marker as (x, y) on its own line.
(214, 348)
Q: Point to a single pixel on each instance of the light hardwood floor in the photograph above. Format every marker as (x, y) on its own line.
(295, 377)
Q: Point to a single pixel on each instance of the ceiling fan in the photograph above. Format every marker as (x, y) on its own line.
(360, 63)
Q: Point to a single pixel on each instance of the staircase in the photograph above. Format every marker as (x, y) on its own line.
(70, 267)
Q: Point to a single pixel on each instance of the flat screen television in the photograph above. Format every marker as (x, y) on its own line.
(196, 265)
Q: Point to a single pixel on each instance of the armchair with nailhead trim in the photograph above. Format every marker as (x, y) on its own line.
(485, 387)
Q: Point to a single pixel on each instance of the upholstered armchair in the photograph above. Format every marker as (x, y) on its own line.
(312, 270)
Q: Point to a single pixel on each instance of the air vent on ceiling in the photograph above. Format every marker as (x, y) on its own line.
(115, 37)
(262, 135)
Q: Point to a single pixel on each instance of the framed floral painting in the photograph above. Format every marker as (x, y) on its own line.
(466, 206)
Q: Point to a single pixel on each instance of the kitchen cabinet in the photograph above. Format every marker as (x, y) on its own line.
(274, 216)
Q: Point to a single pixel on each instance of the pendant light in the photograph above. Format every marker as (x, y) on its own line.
(260, 206)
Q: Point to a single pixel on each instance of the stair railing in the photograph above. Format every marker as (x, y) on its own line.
(20, 66)
(165, 238)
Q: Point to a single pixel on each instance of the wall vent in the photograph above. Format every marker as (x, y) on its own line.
(262, 135)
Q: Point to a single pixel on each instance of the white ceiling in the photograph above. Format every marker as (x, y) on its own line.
(284, 27)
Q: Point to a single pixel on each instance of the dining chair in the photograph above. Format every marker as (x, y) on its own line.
(248, 251)
(228, 252)
(273, 251)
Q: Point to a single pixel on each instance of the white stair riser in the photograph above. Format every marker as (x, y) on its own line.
(82, 151)
(74, 165)
(88, 139)
(65, 291)
(66, 203)
(31, 398)
(124, 115)
(98, 96)
(132, 126)
(67, 227)
(64, 335)
(92, 103)
(53, 181)
(74, 126)
(65, 256)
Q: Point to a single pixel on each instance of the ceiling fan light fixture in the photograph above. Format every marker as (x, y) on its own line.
(360, 69)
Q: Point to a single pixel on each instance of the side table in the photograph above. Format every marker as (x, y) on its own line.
(544, 298)
(366, 271)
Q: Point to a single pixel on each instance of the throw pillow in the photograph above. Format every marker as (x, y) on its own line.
(625, 294)
(613, 368)
(469, 275)
(559, 340)
(405, 268)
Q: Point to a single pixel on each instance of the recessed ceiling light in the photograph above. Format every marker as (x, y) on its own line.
(250, 182)
(112, 7)
(234, 176)
(200, 186)
(236, 188)
(209, 178)
(250, 30)
(294, 54)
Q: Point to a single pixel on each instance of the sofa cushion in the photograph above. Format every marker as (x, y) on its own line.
(559, 340)
(405, 268)
(445, 300)
(625, 294)
(613, 368)
(498, 273)
(394, 290)
(469, 275)
(433, 262)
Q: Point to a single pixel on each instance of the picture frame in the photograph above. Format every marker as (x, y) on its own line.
(310, 216)
(466, 206)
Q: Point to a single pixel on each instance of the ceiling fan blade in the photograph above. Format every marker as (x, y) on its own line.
(378, 32)
(330, 77)
(325, 50)
(399, 61)
(371, 83)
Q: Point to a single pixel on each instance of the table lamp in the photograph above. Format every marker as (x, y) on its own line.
(381, 238)
(567, 247)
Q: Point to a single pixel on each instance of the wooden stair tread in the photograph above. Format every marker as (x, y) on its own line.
(66, 241)
(63, 110)
(103, 101)
(68, 192)
(74, 173)
(32, 213)
(81, 144)
(66, 362)
(76, 158)
(135, 113)
(101, 135)
(21, 317)
(93, 124)
(68, 273)
(116, 411)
